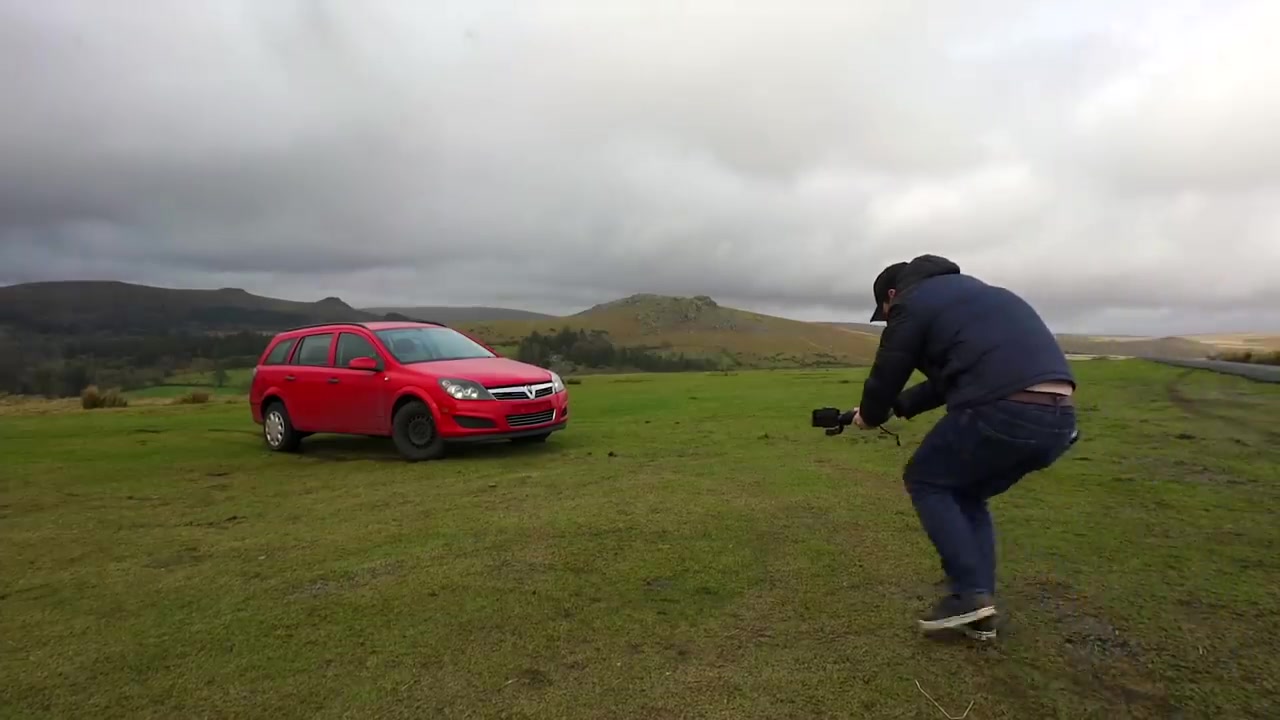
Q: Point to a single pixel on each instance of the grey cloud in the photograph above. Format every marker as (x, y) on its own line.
(554, 155)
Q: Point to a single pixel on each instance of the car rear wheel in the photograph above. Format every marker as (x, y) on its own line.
(415, 434)
(277, 430)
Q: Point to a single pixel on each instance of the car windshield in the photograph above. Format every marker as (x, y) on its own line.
(427, 344)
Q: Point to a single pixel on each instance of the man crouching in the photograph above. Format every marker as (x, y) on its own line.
(1007, 387)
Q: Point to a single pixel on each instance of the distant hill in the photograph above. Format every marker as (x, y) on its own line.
(1240, 341)
(867, 328)
(700, 327)
(696, 326)
(459, 315)
(75, 307)
(58, 337)
(1173, 348)
(118, 307)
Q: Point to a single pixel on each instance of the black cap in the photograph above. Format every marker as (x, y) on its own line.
(885, 281)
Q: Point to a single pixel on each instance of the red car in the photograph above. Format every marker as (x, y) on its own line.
(421, 384)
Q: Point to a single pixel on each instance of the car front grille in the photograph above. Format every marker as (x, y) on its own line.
(537, 418)
(518, 392)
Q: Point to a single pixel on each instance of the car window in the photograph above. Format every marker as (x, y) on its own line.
(280, 353)
(314, 350)
(352, 346)
(425, 344)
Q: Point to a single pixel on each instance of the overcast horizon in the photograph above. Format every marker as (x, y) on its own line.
(1116, 163)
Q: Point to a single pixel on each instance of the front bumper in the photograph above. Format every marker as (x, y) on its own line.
(461, 421)
(508, 435)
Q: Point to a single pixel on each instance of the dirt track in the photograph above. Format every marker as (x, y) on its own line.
(1261, 373)
(1214, 409)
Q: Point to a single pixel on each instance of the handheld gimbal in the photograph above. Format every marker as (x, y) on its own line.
(835, 422)
(832, 419)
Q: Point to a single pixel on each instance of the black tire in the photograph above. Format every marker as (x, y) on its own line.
(414, 432)
(277, 429)
(531, 439)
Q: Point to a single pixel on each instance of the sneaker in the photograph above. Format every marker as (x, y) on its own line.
(956, 610)
(984, 629)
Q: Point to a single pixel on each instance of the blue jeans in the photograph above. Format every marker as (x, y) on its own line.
(969, 457)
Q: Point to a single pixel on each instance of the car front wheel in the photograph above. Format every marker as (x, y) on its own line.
(415, 434)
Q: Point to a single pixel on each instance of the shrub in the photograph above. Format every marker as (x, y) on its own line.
(573, 381)
(91, 398)
(195, 397)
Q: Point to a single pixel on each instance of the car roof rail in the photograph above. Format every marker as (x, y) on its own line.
(326, 324)
(419, 322)
(406, 318)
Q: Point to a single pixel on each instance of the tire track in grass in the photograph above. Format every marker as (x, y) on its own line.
(1197, 408)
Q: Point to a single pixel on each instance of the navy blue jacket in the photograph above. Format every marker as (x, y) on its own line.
(974, 342)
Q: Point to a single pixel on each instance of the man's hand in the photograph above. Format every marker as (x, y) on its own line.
(857, 420)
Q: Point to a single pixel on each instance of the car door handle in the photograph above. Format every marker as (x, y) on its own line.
(333, 381)
(289, 378)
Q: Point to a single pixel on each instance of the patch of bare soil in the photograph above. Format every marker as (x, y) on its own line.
(222, 524)
(1087, 634)
(1103, 660)
(352, 580)
(1189, 471)
(182, 557)
(534, 677)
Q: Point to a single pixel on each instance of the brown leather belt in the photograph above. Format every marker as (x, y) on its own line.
(1042, 398)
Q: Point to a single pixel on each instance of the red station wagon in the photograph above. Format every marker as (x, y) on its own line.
(421, 384)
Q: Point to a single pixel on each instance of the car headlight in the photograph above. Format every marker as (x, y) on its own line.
(464, 390)
(557, 385)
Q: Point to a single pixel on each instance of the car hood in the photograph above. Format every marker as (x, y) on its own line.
(489, 372)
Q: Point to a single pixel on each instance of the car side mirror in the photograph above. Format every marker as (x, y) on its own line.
(364, 363)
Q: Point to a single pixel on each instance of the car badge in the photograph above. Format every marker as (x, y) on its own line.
(528, 390)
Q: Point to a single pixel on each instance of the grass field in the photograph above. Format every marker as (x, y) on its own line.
(236, 379)
(687, 548)
(183, 383)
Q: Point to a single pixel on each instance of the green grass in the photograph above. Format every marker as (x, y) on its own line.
(182, 383)
(687, 548)
(236, 378)
(176, 391)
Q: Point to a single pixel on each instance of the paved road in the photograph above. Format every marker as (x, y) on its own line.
(1262, 373)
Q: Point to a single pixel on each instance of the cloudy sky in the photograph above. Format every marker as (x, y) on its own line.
(1116, 161)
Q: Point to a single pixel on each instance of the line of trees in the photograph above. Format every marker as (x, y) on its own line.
(582, 349)
(62, 366)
